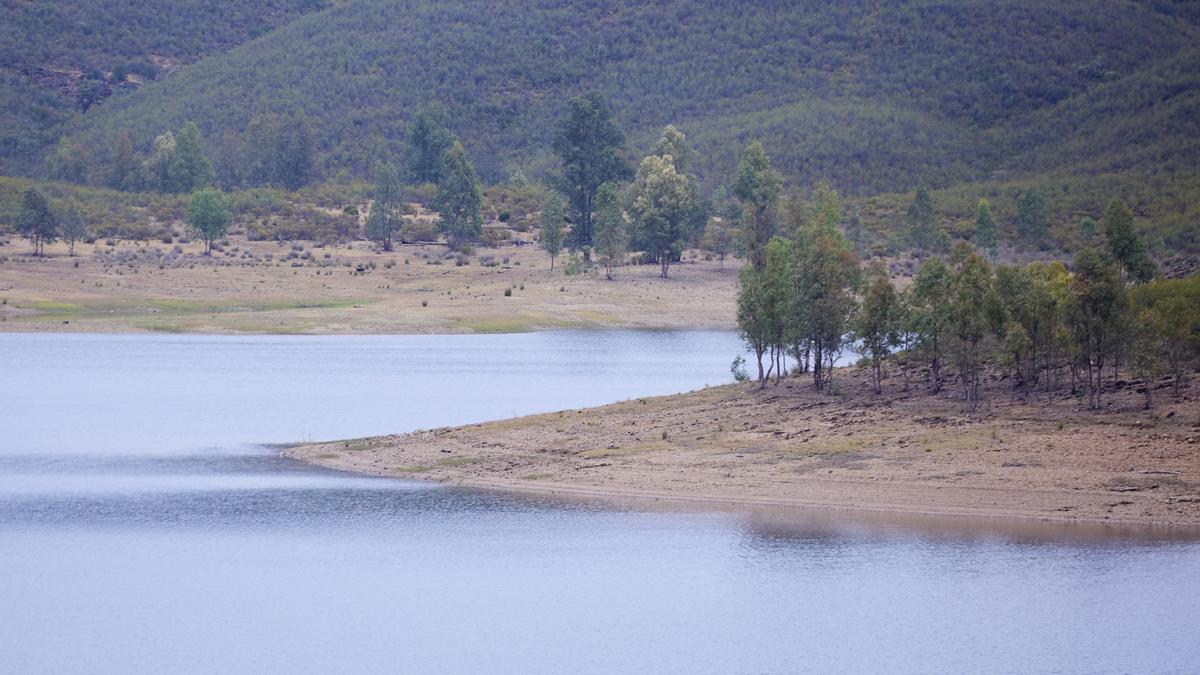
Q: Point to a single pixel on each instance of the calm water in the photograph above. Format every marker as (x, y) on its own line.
(142, 529)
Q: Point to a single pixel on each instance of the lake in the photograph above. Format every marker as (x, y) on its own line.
(146, 524)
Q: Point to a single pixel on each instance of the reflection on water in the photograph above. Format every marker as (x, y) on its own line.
(180, 559)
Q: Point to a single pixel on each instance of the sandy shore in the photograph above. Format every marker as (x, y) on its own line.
(788, 446)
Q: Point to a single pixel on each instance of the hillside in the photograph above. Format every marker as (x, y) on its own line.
(873, 98)
(49, 49)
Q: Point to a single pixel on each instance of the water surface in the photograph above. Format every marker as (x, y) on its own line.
(144, 528)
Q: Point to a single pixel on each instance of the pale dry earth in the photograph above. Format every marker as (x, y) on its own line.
(355, 290)
(787, 445)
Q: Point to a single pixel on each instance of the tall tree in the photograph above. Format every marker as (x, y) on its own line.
(757, 186)
(294, 161)
(1169, 309)
(922, 221)
(72, 228)
(974, 313)
(430, 139)
(611, 236)
(387, 209)
(985, 228)
(588, 141)
(208, 217)
(259, 143)
(1124, 245)
(877, 326)
(663, 200)
(189, 168)
(551, 222)
(672, 143)
(123, 165)
(1032, 215)
(156, 169)
(36, 221)
(754, 314)
(827, 275)
(1097, 302)
(930, 315)
(458, 198)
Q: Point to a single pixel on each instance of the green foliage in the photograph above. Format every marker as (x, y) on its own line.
(46, 45)
(208, 217)
(985, 227)
(610, 236)
(1169, 317)
(36, 221)
(189, 169)
(458, 199)
(430, 140)
(551, 223)
(588, 142)
(1123, 242)
(1032, 216)
(758, 186)
(72, 228)
(663, 200)
(922, 222)
(387, 211)
(878, 324)
(1098, 299)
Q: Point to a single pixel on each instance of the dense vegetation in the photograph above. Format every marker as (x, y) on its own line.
(805, 295)
(871, 98)
(58, 58)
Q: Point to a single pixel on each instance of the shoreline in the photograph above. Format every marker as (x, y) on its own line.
(910, 455)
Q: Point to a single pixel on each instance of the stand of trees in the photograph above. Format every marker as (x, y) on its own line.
(1045, 325)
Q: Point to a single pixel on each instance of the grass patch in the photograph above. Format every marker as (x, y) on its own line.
(537, 476)
(457, 461)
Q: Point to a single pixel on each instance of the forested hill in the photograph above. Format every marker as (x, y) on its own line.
(873, 97)
(60, 56)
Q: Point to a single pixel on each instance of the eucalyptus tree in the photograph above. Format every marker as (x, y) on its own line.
(758, 186)
(458, 199)
(663, 201)
(550, 221)
(589, 143)
(611, 235)
(387, 210)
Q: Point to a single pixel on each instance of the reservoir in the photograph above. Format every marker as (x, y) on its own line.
(147, 523)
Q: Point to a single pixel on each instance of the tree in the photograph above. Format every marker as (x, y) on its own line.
(188, 168)
(430, 140)
(588, 141)
(208, 217)
(69, 162)
(754, 314)
(662, 202)
(985, 228)
(551, 222)
(757, 186)
(922, 222)
(718, 238)
(458, 198)
(156, 169)
(387, 210)
(877, 327)
(36, 221)
(294, 152)
(1097, 302)
(259, 143)
(672, 143)
(974, 313)
(228, 168)
(1123, 243)
(1032, 215)
(930, 315)
(72, 228)
(1169, 318)
(826, 276)
(123, 166)
(611, 237)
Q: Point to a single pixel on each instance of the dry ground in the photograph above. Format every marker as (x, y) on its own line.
(788, 445)
(259, 287)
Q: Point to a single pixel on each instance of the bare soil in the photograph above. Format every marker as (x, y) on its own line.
(268, 287)
(1044, 458)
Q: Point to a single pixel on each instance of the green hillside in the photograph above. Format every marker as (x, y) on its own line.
(48, 49)
(873, 98)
